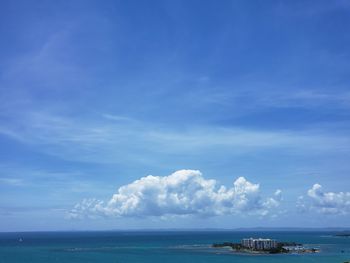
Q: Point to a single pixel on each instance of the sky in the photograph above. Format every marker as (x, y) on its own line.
(174, 114)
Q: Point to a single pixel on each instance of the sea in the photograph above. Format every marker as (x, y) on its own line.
(161, 247)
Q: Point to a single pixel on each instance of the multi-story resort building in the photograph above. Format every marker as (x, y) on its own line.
(259, 243)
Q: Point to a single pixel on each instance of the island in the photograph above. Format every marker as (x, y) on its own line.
(265, 246)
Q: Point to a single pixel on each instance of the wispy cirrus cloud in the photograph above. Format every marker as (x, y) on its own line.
(11, 181)
(183, 193)
(107, 138)
(247, 100)
(58, 180)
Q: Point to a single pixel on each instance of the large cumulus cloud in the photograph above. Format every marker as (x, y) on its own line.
(325, 202)
(185, 192)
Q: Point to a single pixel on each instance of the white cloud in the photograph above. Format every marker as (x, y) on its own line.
(86, 208)
(325, 202)
(185, 192)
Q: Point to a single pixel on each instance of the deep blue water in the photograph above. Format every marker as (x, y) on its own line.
(161, 246)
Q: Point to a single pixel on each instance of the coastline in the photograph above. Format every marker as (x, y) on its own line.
(256, 252)
(279, 248)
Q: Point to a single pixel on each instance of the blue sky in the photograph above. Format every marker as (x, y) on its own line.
(97, 95)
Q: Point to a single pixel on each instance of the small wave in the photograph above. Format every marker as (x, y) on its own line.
(106, 248)
(194, 246)
(87, 249)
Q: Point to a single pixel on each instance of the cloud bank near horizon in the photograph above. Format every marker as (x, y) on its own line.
(183, 193)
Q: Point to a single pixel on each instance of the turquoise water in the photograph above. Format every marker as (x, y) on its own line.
(159, 246)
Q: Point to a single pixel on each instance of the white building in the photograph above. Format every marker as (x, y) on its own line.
(259, 243)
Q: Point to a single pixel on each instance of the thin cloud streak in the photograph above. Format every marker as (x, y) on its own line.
(62, 136)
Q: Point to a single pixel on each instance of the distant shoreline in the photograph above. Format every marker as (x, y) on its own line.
(343, 234)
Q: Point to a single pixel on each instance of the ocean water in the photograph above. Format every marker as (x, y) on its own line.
(160, 246)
